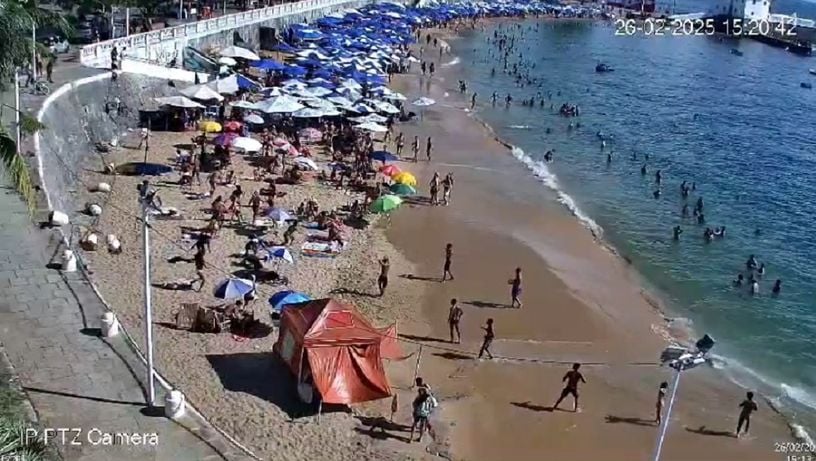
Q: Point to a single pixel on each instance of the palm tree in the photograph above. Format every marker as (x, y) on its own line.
(17, 21)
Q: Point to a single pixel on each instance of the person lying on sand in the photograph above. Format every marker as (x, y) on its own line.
(180, 284)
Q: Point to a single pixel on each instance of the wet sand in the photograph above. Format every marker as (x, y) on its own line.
(581, 303)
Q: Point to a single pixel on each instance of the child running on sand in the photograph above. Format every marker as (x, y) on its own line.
(747, 406)
(572, 378)
(488, 339)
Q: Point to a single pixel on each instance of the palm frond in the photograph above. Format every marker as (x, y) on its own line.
(30, 125)
(17, 171)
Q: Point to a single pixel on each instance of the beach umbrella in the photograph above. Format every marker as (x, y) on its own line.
(371, 118)
(394, 96)
(233, 288)
(238, 52)
(424, 102)
(278, 215)
(383, 156)
(308, 112)
(279, 300)
(224, 139)
(202, 93)
(246, 144)
(279, 105)
(405, 178)
(268, 64)
(272, 92)
(280, 253)
(402, 189)
(390, 170)
(227, 61)
(209, 126)
(306, 162)
(372, 127)
(178, 101)
(382, 106)
(243, 104)
(226, 85)
(385, 204)
(254, 119)
(340, 101)
(232, 125)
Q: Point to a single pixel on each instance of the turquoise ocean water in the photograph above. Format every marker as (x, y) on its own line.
(740, 127)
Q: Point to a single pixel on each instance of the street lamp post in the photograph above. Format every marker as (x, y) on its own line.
(681, 360)
(147, 198)
(17, 109)
(34, 53)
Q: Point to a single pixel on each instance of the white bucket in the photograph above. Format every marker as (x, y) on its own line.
(114, 245)
(94, 209)
(103, 187)
(69, 262)
(110, 325)
(174, 404)
(58, 218)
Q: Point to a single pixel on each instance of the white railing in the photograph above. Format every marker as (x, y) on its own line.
(791, 21)
(97, 54)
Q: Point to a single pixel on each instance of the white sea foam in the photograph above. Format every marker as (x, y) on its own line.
(519, 127)
(452, 62)
(549, 179)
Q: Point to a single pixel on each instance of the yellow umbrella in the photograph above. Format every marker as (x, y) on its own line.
(208, 126)
(405, 178)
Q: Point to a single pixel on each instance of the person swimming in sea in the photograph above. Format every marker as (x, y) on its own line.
(676, 233)
(719, 231)
(752, 263)
(761, 270)
(643, 170)
(684, 211)
(777, 288)
(708, 234)
(700, 218)
(658, 177)
(738, 281)
(656, 194)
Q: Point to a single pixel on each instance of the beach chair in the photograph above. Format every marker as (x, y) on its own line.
(186, 316)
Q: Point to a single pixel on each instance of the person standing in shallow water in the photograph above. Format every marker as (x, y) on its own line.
(747, 407)
(515, 289)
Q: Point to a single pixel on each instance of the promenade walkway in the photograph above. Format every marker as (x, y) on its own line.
(49, 325)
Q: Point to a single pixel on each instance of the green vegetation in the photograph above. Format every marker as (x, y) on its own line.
(13, 425)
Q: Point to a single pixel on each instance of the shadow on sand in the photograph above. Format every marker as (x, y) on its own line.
(381, 428)
(703, 431)
(487, 305)
(612, 419)
(453, 355)
(530, 406)
(428, 339)
(420, 278)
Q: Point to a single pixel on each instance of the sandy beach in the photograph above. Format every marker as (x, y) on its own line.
(581, 303)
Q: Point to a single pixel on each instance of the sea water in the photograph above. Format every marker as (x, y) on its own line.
(740, 127)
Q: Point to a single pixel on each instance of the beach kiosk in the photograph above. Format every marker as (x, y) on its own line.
(333, 350)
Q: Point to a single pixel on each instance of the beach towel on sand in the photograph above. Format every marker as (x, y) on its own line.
(320, 249)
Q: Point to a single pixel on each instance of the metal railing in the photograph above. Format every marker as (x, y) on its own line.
(95, 54)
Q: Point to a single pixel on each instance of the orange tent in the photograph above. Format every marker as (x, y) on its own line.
(343, 351)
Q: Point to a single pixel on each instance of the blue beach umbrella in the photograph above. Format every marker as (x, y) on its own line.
(282, 298)
(268, 64)
(384, 156)
(280, 253)
(233, 288)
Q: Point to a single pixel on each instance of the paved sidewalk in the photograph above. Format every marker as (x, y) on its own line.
(74, 378)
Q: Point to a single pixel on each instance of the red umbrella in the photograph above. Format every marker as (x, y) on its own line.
(233, 125)
(224, 139)
(390, 170)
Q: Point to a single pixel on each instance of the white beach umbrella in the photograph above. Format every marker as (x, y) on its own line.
(394, 96)
(226, 85)
(243, 104)
(350, 93)
(293, 83)
(246, 144)
(321, 104)
(351, 83)
(372, 127)
(424, 102)
(238, 52)
(178, 101)
(340, 101)
(330, 112)
(227, 61)
(306, 162)
(254, 119)
(272, 91)
(279, 105)
(371, 118)
(202, 93)
(383, 106)
(308, 112)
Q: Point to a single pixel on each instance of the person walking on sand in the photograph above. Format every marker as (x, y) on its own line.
(661, 400)
(422, 405)
(454, 316)
(200, 264)
(429, 148)
(515, 289)
(747, 406)
(400, 144)
(415, 148)
(434, 187)
(572, 377)
(488, 339)
(382, 280)
(446, 270)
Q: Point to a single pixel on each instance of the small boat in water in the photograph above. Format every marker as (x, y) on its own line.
(601, 67)
(736, 52)
(812, 71)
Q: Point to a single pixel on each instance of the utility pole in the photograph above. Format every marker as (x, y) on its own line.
(146, 198)
(34, 52)
(17, 109)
